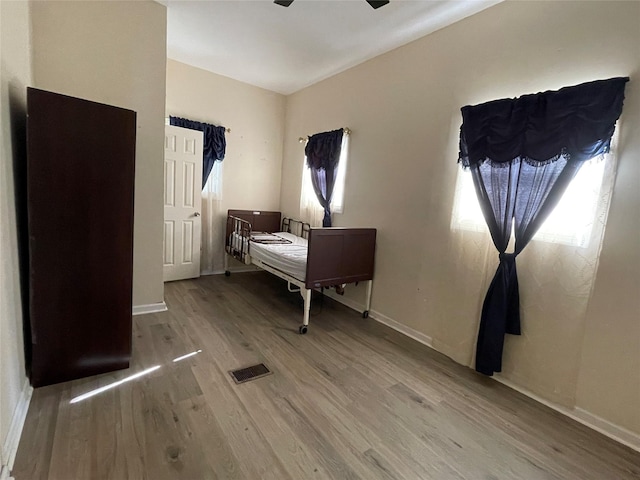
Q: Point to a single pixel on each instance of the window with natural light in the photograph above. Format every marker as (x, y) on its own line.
(213, 187)
(571, 221)
(308, 199)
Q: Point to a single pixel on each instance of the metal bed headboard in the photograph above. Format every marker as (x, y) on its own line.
(237, 243)
(296, 227)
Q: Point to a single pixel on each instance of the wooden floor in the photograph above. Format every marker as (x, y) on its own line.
(351, 399)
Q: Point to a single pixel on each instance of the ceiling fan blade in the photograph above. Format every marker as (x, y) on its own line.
(284, 3)
(376, 3)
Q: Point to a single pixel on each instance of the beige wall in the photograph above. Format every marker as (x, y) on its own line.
(15, 75)
(403, 108)
(115, 53)
(253, 161)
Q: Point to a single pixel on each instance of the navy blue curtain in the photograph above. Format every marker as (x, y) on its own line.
(523, 153)
(214, 143)
(323, 156)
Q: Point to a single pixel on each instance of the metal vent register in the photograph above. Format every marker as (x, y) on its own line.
(242, 375)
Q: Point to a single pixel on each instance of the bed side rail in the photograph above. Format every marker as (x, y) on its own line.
(296, 227)
(340, 255)
(238, 236)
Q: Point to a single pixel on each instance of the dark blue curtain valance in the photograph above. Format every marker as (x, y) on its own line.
(214, 142)
(575, 122)
(323, 149)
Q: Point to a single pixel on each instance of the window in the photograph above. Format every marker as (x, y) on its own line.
(571, 221)
(213, 187)
(309, 206)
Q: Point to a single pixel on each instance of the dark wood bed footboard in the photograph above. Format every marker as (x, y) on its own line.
(340, 255)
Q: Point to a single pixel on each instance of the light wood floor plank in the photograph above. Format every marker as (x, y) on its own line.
(246, 440)
(352, 399)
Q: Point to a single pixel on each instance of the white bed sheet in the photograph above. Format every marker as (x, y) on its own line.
(290, 258)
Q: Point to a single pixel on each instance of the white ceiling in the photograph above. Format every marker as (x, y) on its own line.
(286, 49)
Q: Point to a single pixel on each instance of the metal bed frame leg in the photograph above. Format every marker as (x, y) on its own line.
(306, 295)
(226, 265)
(365, 314)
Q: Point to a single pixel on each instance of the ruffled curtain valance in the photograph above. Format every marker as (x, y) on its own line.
(214, 142)
(574, 122)
(323, 149)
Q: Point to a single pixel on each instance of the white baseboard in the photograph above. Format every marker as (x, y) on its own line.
(605, 427)
(399, 327)
(4, 473)
(381, 318)
(10, 447)
(150, 308)
(611, 430)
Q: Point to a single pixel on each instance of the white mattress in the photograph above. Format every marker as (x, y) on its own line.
(290, 258)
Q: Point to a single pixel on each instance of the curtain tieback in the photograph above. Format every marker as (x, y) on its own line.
(506, 256)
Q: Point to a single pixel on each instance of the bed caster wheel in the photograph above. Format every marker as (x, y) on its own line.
(365, 314)
(302, 329)
(227, 273)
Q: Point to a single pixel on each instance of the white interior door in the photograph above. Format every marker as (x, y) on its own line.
(182, 200)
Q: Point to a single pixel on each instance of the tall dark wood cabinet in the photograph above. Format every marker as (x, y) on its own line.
(80, 179)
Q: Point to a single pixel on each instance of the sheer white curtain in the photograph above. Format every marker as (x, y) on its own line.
(556, 273)
(212, 222)
(560, 268)
(310, 209)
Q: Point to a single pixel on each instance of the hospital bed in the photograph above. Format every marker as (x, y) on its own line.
(307, 258)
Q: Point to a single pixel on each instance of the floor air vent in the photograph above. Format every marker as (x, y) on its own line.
(250, 373)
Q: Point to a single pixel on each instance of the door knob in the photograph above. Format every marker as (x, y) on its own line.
(197, 214)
